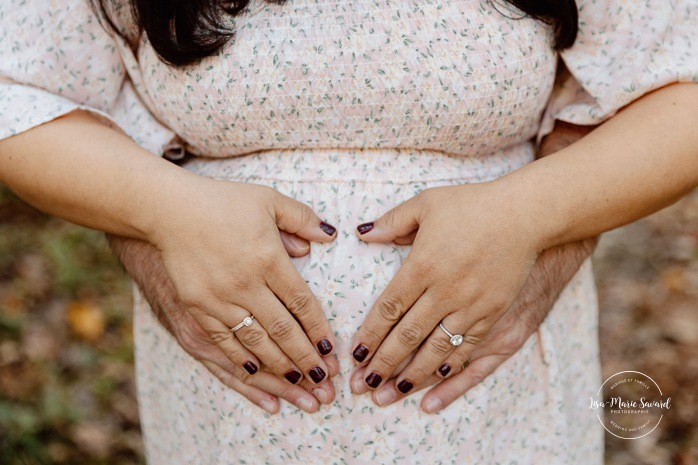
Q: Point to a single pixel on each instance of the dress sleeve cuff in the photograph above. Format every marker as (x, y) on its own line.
(24, 107)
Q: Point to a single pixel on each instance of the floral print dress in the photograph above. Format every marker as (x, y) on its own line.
(353, 107)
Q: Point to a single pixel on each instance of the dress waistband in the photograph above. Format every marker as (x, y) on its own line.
(366, 165)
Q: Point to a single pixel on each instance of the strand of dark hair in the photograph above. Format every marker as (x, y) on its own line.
(183, 32)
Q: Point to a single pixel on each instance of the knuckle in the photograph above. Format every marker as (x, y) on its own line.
(441, 346)
(191, 297)
(390, 218)
(189, 342)
(512, 342)
(386, 361)
(251, 337)
(245, 377)
(282, 329)
(424, 268)
(473, 339)
(267, 262)
(409, 335)
(300, 303)
(220, 336)
(370, 333)
(304, 214)
(420, 372)
(239, 287)
(304, 359)
(477, 376)
(390, 309)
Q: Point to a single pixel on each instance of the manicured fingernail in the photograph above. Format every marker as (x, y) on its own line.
(305, 404)
(360, 353)
(250, 367)
(385, 397)
(324, 346)
(322, 395)
(293, 376)
(317, 374)
(374, 379)
(328, 228)
(405, 386)
(268, 405)
(444, 369)
(357, 386)
(364, 228)
(433, 405)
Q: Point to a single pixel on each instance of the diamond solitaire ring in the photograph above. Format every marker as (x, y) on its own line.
(456, 339)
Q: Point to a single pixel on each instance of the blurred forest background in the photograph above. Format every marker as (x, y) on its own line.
(67, 393)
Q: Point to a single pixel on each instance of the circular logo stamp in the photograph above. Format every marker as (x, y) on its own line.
(630, 405)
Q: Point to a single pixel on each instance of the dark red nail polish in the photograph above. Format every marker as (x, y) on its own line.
(444, 369)
(324, 346)
(364, 228)
(328, 228)
(293, 376)
(405, 386)
(317, 374)
(374, 380)
(360, 353)
(250, 367)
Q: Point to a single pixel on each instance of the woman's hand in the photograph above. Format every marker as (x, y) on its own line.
(144, 263)
(219, 240)
(470, 257)
(551, 273)
(221, 245)
(554, 268)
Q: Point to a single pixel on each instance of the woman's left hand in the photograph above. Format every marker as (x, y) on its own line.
(473, 248)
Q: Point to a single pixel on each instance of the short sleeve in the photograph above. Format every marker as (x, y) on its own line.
(624, 50)
(55, 58)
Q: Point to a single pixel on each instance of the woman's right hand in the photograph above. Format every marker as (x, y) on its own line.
(221, 245)
(144, 264)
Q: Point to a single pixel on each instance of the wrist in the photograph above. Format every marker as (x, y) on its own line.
(164, 208)
(518, 206)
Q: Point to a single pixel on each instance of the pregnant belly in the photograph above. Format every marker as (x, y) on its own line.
(345, 188)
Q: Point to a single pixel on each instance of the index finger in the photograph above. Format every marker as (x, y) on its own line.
(395, 300)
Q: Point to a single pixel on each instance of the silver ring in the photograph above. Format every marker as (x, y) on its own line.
(246, 322)
(456, 339)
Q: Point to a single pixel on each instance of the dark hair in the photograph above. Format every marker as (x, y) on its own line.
(185, 31)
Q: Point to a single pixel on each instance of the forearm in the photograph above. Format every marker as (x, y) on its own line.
(640, 161)
(80, 170)
(554, 269)
(144, 263)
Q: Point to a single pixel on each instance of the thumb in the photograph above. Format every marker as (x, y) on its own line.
(399, 225)
(297, 218)
(295, 246)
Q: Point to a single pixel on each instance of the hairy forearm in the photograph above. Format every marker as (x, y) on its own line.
(640, 161)
(554, 269)
(144, 263)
